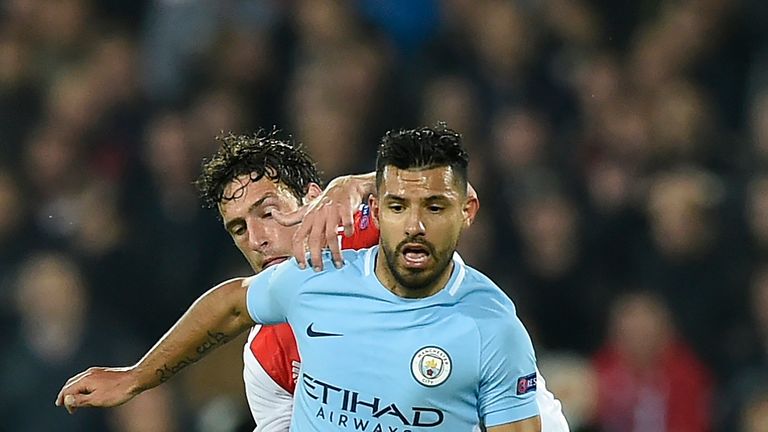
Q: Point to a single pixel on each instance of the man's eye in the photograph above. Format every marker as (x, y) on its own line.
(435, 208)
(397, 208)
(238, 231)
(267, 215)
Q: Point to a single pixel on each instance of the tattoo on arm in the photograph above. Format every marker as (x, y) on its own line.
(214, 339)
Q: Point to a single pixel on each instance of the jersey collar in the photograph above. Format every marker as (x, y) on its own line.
(452, 287)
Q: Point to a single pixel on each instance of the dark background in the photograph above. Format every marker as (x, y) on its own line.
(619, 149)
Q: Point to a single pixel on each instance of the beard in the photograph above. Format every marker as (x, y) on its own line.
(416, 279)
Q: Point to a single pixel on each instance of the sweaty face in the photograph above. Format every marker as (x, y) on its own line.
(421, 214)
(248, 219)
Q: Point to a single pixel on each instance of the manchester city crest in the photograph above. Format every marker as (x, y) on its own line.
(431, 366)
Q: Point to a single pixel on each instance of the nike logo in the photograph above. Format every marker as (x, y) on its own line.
(312, 333)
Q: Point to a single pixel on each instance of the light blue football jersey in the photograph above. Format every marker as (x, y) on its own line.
(373, 361)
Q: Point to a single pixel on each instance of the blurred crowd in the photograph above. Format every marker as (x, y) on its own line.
(620, 151)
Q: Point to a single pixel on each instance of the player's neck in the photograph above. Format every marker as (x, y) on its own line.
(387, 279)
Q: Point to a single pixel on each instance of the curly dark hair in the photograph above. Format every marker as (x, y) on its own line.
(423, 148)
(258, 155)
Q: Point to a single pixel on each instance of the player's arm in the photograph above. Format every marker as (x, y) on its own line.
(508, 374)
(213, 319)
(532, 424)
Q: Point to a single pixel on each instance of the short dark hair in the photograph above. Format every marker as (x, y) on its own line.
(258, 155)
(423, 148)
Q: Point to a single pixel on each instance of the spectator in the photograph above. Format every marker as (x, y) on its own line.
(648, 378)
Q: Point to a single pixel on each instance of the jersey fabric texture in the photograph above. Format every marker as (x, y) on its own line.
(376, 361)
(271, 359)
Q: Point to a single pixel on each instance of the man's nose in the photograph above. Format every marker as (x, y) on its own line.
(257, 238)
(414, 224)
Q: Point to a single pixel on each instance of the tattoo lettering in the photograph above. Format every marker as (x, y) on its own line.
(214, 339)
(166, 372)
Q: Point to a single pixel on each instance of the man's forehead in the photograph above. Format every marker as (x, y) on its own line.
(440, 178)
(242, 190)
(440, 174)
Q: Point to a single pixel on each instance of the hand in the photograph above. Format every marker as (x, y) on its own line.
(98, 387)
(320, 218)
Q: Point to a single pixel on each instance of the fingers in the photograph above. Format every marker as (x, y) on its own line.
(331, 237)
(316, 242)
(69, 403)
(299, 247)
(74, 396)
(74, 401)
(67, 387)
(290, 218)
(318, 222)
(322, 230)
(347, 221)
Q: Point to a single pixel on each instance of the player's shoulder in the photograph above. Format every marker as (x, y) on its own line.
(482, 298)
(492, 311)
(355, 261)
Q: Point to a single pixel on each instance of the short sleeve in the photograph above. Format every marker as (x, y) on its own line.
(271, 292)
(507, 373)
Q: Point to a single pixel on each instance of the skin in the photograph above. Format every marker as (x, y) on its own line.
(220, 314)
(248, 219)
(532, 424)
(430, 208)
(427, 207)
(321, 217)
(422, 209)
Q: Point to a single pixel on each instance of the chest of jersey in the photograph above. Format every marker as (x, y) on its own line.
(392, 364)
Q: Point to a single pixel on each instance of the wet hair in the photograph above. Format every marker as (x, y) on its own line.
(423, 148)
(258, 155)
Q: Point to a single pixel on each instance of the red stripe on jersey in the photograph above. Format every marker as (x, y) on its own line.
(275, 346)
(275, 349)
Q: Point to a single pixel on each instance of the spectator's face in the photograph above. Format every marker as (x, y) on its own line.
(51, 286)
(550, 233)
(641, 329)
(679, 205)
(248, 219)
(421, 214)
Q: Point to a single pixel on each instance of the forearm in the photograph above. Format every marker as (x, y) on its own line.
(214, 319)
(532, 424)
(361, 185)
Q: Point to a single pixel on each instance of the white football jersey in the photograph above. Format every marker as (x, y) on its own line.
(270, 373)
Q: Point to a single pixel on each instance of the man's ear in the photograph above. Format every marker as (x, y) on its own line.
(471, 207)
(313, 191)
(373, 203)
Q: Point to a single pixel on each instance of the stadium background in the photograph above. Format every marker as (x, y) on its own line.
(619, 149)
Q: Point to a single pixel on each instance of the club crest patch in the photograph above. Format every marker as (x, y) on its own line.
(431, 366)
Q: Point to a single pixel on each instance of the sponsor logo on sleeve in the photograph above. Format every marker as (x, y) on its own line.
(526, 384)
